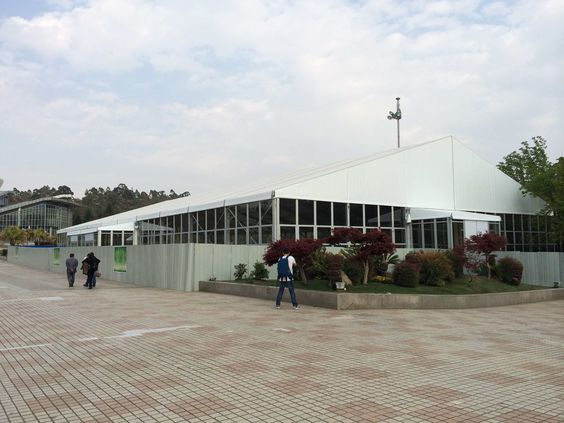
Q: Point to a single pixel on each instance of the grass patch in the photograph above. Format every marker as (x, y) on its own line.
(461, 286)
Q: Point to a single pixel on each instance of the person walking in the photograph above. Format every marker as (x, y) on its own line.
(286, 264)
(92, 262)
(72, 265)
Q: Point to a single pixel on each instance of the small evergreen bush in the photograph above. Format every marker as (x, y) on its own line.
(457, 258)
(259, 272)
(509, 270)
(435, 269)
(405, 274)
(416, 259)
(240, 271)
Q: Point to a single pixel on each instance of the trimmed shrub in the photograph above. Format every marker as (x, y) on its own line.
(405, 274)
(317, 268)
(416, 259)
(435, 269)
(457, 258)
(509, 270)
(259, 272)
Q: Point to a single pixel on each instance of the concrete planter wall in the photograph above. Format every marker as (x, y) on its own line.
(348, 301)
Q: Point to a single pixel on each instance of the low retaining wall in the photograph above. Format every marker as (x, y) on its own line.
(349, 301)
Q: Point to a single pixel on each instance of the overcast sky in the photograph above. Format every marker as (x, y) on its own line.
(200, 95)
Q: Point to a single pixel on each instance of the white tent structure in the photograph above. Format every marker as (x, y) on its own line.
(430, 195)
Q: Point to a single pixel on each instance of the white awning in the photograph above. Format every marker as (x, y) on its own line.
(422, 214)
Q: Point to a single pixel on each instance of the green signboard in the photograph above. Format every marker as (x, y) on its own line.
(56, 256)
(120, 259)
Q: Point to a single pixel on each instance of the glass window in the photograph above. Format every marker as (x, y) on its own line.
(242, 236)
(356, 217)
(177, 238)
(518, 222)
(417, 235)
(385, 216)
(526, 222)
(493, 227)
(231, 236)
(542, 223)
(220, 237)
(254, 214)
(287, 211)
(266, 212)
(220, 218)
(210, 216)
(305, 212)
(128, 238)
(399, 217)
(230, 213)
(106, 238)
(193, 222)
(323, 213)
(371, 213)
(201, 220)
(508, 219)
(201, 237)
(210, 237)
(266, 235)
(442, 236)
(429, 235)
(254, 235)
(323, 232)
(184, 218)
(340, 214)
(117, 238)
(287, 232)
(242, 216)
(535, 223)
(177, 223)
(306, 232)
(184, 238)
(400, 236)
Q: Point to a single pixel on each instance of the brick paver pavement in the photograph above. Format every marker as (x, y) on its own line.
(121, 353)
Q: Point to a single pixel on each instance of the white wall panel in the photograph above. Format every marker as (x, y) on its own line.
(480, 186)
(182, 266)
(417, 177)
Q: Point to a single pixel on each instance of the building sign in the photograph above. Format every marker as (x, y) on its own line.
(56, 256)
(120, 259)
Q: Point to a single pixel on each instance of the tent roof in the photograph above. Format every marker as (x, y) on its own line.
(438, 174)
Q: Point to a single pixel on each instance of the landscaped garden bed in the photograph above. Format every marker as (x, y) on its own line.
(460, 286)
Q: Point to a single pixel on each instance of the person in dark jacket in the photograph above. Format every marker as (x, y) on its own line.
(92, 261)
(71, 264)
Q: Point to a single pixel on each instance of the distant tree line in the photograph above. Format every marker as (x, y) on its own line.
(98, 202)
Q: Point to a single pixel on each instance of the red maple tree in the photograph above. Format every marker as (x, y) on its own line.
(300, 249)
(365, 246)
(485, 243)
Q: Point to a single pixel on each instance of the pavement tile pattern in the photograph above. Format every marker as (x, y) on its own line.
(122, 353)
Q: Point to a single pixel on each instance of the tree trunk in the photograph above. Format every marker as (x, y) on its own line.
(489, 267)
(302, 274)
(366, 269)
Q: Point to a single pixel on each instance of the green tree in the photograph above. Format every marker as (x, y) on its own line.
(14, 235)
(539, 177)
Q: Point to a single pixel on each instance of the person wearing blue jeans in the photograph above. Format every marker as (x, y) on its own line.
(286, 264)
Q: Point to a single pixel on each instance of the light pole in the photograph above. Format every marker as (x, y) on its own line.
(397, 117)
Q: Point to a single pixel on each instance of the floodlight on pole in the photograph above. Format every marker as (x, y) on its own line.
(397, 117)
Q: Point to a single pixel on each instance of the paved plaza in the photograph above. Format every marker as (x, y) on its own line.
(121, 353)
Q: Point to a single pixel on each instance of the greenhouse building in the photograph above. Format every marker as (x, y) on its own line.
(430, 195)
